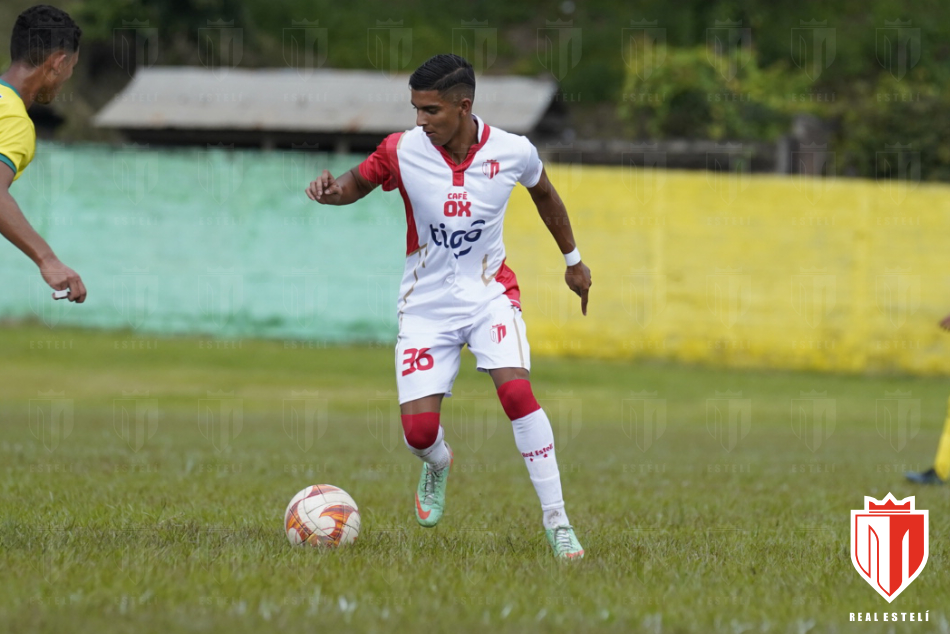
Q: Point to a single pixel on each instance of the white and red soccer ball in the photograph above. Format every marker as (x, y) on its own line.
(322, 515)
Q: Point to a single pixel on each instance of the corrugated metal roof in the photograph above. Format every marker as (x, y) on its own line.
(323, 100)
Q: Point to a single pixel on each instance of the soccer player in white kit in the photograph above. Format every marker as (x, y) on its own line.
(455, 174)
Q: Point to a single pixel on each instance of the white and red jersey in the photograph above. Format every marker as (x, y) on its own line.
(455, 256)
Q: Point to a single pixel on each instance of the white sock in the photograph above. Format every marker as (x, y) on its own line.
(437, 455)
(535, 440)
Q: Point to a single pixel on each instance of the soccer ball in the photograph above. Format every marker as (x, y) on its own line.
(322, 515)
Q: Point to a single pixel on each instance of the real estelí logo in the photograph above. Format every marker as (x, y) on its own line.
(890, 544)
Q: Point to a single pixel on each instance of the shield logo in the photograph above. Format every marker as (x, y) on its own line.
(643, 418)
(897, 45)
(475, 418)
(223, 172)
(644, 296)
(646, 547)
(555, 301)
(382, 288)
(384, 421)
(135, 172)
(135, 296)
(135, 45)
(897, 171)
(498, 332)
(48, 310)
(135, 419)
(564, 412)
(814, 169)
(302, 164)
(559, 47)
(897, 418)
(814, 296)
(221, 298)
(305, 296)
(389, 46)
(728, 47)
(813, 47)
(643, 171)
(38, 54)
(306, 418)
(898, 295)
(490, 168)
(220, 46)
(728, 295)
(813, 418)
(305, 46)
(728, 418)
(51, 174)
(221, 419)
(564, 165)
(643, 47)
(477, 42)
(890, 543)
(49, 554)
(727, 170)
(51, 418)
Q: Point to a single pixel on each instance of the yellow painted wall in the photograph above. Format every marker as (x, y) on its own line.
(741, 270)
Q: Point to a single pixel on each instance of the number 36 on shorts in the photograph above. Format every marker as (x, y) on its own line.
(416, 359)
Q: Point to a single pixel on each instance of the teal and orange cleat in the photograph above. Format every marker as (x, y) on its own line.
(564, 543)
(430, 494)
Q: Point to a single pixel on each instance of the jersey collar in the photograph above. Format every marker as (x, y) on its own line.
(458, 170)
(16, 92)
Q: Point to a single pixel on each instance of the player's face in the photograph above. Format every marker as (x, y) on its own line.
(439, 118)
(56, 71)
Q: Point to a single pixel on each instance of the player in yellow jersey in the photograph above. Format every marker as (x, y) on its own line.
(940, 472)
(44, 48)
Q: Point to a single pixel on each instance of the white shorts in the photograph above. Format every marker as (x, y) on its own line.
(428, 357)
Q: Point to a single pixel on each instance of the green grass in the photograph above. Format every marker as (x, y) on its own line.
(172, 527)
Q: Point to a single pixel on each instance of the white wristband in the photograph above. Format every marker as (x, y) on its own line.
(573, 257)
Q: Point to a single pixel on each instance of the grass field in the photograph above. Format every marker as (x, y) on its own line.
(146, 492)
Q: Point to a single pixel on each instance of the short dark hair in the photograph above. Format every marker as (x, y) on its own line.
(443, 73)
(40, 31)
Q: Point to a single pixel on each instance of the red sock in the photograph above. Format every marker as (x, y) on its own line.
(517, 399)
(421, 430)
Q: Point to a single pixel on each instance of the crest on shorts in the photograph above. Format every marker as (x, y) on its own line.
(490, 168)
(498, 332)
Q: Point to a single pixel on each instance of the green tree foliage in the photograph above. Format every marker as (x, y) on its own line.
(694, 93)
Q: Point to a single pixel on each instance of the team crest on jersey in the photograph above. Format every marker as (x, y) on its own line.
(490, 168)
(498, 332)
(889, 543)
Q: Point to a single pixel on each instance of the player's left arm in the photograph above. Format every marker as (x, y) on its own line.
(554, 214)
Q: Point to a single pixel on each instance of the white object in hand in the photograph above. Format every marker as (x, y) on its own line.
(63, 294)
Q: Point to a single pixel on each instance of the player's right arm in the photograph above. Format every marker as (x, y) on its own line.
(16, 228)
(348, 188)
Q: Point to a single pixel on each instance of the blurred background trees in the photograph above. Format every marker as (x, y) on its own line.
(875, 82)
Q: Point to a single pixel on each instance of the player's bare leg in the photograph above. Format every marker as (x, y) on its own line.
(535, 440)
(425, 438)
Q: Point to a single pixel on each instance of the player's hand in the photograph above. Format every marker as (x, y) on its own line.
(60, 277)
(945, 323)
(578, 280)
(324, 189)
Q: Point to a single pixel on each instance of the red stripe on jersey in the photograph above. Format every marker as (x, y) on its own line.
(458, 171)
(506, 277)
(382, 168)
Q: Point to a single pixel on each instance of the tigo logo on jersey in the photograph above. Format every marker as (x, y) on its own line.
(490, 168)
(455, 240)
(498, 332)
(890, 542)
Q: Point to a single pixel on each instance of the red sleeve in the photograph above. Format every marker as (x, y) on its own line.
(382, 167)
